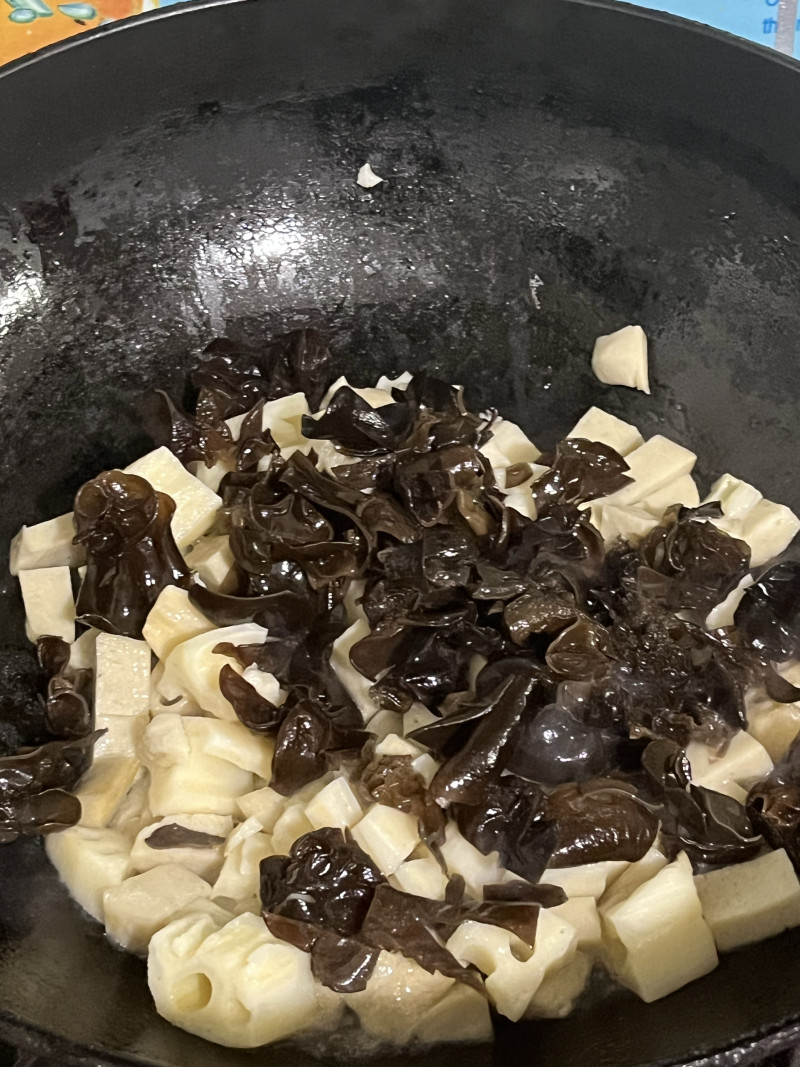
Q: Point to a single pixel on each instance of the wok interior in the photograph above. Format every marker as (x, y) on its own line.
(195, 176)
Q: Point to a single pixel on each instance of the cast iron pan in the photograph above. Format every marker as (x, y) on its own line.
(555, 169)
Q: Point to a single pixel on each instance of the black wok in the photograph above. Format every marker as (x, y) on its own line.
(555, 169)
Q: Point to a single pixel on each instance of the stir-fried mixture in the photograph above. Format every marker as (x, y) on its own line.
(375, 710)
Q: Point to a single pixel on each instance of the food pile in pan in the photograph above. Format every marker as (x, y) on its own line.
(364, 705)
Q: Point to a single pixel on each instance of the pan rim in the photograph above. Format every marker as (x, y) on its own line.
(618, 8)
(773, 1040)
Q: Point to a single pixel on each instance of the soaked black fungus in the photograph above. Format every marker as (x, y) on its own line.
(173, 835)
(356, 427)
(602, 819)
(252, 709)
(393, 781)
(192, 439)
(709, 826)
(328, 898)
(768, 616)
(774, 805)
(578, 471)
(309, 736)
(68, 711)
(487, 751)
(325, 887)
(131, 555)
(36, 784)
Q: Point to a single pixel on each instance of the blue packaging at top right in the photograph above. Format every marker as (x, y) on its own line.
(757, 20)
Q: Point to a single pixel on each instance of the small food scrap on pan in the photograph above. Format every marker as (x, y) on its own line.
(620, 358)
(367, 178)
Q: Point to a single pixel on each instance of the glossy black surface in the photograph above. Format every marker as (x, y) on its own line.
(554, 170)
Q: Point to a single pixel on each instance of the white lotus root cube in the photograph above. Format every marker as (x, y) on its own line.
(521, 500)
(656, 463)
(133, 812)
(394, 745)
(461, 857)
(387, 835)
(196, 505)
(103, 787)
(212, 476)
(201, 906)
(656, 940)
(587, 880)
(634, 875)
(82, 651)
(725, 612)
(283, 419)
(376, 397)
(402, 381)
(630, 523)
(172, 619)
(354, 682)
(512, 981)
(423, 877)
(231, 741)
(88, 862)
(735, 497)
(167, 697)
(335, 805)
(244, 830)
(183, 777)
(461, 1015)
(49, 605)
(767, 528)
(204, 861)
(290, 821)
(425, 766)
(212, 559)
(47, 544)
(416, 717)
(122, 679)
(192, 668)
(291, 824)
(682, 490)
(329, 457)
(383, 723)
(620, 358)
(750, 901)
(743, 762)
(264, 804)
(238, 880)
(123, 737)
(773, 725)
(599, 425)
(556, 996)
(398, 994)
(140, 905)
(265, 684)
(166, 741)
(235, 985)
(582, 914)
(509, 444)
